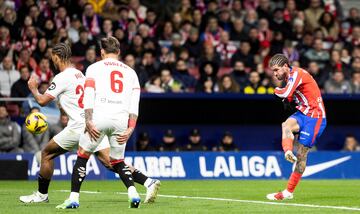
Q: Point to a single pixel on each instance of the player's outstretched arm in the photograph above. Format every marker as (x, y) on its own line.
(42, 99)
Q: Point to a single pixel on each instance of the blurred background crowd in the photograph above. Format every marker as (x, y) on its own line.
(178, 46)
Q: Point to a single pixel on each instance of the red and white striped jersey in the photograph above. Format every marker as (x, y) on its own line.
(302, 88)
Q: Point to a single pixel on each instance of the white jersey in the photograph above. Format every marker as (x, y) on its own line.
(68, 88)
(112, 90)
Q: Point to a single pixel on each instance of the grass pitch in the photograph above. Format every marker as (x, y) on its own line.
(320, 196)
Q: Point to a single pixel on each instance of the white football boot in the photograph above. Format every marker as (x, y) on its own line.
(279, 196)
(36, 197)
(152, 190)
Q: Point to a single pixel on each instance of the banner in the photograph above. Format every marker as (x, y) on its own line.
(208, 165)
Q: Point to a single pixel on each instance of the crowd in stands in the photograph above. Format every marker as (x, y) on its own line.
(205, 46)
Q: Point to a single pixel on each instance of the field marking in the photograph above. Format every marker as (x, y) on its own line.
(235, 200)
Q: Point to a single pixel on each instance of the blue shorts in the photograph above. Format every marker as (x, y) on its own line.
(310, 128)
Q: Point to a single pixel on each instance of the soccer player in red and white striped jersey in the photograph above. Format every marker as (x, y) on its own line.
(309, 121)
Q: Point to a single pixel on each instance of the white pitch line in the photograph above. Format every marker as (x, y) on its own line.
(237, 200)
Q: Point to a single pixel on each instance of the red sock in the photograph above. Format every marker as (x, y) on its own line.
(293, 181)
(287, 144)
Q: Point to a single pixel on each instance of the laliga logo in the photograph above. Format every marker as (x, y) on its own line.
(66, 166)
(254, 166)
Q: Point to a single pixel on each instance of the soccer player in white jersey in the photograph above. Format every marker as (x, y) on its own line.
(111, 102)
(67, 87)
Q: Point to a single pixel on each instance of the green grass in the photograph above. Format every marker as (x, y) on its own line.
(108, 201)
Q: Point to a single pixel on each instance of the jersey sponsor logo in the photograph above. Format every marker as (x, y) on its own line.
(52, 86)
(291, 79)
(313, 169)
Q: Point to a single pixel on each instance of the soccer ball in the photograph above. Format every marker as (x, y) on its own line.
(36, 123)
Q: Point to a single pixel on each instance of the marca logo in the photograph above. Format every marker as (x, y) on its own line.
(313, 169)
(163, 166)
(255, 166)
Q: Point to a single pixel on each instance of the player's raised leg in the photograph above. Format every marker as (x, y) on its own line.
(51, 151)
(289, 127)
(152, 185)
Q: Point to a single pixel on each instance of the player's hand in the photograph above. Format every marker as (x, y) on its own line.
(93, 132)
(124, 136)
(289, 156)
(33, 83)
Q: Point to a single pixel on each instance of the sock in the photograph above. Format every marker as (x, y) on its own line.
(78, 174)
(139, 177)
(293, 181)
(124, 173)
(287, 144)
(147, 182)
(43, 184)
(74, 196)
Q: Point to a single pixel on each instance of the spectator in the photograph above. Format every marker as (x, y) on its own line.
(49, 29)
(237, 32)
(154, 85)
(195, 143)
(20, 87)
(355, 81)
(279, 24)
(73, 30)
(313, 14)
(182, 73)
(152, 22)
(107, 28)
(90, 58)
(90, 20)
(9, 20)
(224, 15)
(146, 68)
(25, 59)
(251, 20)
(143, 143)
(111, 11)
(244, 55)
(298, 31)
(209, 54)
(237, 11)
(240, 74)
(290, 52)
(9, 133)
(137, 11)
(79, 48)
(354, 16)
(320, 75)
(228, 84)
(5, 41)
(212, 32)
(337, 84)
(43, 72)
(41, 49)
(8, 76)
(264, 10)
(318, 54)
(336, 64)
(56, 128)
(169, 142)
(255, 86)
(355, 65)
(193, 44)
(351, 144)
(168, 83)
(329, 26)
(226, 49)
(227, 143)
(62, 20)
(34, 143)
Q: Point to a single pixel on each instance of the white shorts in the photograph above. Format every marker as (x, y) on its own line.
(109, 130)
(68, 139)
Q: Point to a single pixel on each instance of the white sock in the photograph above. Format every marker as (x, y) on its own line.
(74, 196)
(132, 192)
(147, 182)
(286, 192)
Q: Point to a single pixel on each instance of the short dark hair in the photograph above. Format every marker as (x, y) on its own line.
(110, 45)
(63, 51)
(279, 59)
